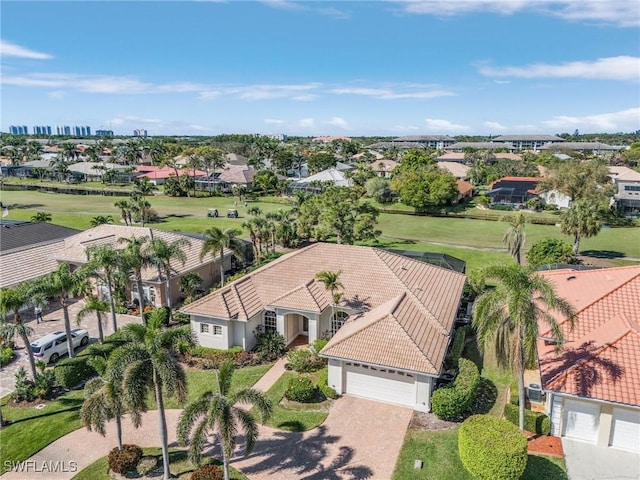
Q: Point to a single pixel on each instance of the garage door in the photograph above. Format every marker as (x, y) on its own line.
(385, 385)
(582, 421)
(626, 430)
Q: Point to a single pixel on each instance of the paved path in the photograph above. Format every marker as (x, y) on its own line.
(359, 439)
(590, 462)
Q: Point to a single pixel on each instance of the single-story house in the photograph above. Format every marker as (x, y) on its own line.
(554, 197)
(225, 179)
(330, 175)
(465, 190)
(592, 384)
(384, 168)
(74, 252)
(158, 175)
(389, 333)
(458, 170)
(513, 189)
(93, 171)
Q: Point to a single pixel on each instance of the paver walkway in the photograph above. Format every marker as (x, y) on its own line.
(359, 439)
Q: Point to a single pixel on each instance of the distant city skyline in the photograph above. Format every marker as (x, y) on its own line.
(392, 68)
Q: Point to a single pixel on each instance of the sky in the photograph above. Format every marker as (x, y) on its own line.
(308, 68)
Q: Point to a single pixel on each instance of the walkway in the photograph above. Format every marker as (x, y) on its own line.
(591, 462)
(359, 439)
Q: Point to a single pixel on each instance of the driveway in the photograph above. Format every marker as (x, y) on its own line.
(359, 439)
(590, 462)
(54, 322)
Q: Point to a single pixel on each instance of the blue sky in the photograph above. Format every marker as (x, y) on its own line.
(474, 67)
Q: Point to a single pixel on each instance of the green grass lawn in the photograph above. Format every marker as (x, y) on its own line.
(31, 429)
(179, 465)
(298, 418)
(439, 452)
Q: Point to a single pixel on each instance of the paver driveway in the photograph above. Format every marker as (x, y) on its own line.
(359, 439)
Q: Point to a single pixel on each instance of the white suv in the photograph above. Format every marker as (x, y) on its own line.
(52, 346)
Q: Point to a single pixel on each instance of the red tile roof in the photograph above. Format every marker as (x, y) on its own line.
(515, 179)
(601, 355)
(153, 172)
(464, 187)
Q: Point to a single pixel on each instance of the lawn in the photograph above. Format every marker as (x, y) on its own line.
(31, 429)
(298, 418)
(179, 465)
(439, 452)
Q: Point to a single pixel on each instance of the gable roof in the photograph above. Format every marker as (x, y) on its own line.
(601, 356)
(20, 234)
(329, 175)
(456, 169)
(427, 298)
(240, 174)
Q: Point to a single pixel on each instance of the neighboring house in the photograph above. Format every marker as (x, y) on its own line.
(527, 142)
(159, 175)
(460, 146)
(592, 384)
(226, 179)
(462, 157)
(383, 168)
(26, 249)
(328, 139)
(465, 190)
(458, 170)
(74, 251)
(90, 171)
(438, 142)
(344, 167)
(554, 197)
(368, 154)
(513, 189)
(331, 175)
(389, 332)
(627, 196)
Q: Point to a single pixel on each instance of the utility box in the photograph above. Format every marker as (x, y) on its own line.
(534, 392)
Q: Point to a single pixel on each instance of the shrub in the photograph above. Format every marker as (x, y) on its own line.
(323, 385)
(304, 360)
(318, 345)
(164, 315)
(535, 422)
(208, 472)
(300, 389)
(6, 355)
(125, 460)
(269, 345)
(72, 372)
(24, 389)
(456, 400)
(491, 448)
(146, 465)
(456, 348)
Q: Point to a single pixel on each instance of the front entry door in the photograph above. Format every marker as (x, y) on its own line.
(305, 326)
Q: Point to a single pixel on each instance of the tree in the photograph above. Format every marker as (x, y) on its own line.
(104, 401)
(13, 300)
(266, 180)
(549, 251)
(220, 409)
(216, 240)
(583, 219)
(104, 264)
(332, 283)
(320, 161)
(379, 190)
(161, 253)
(135, 257)
(580, 180)
(41, 217)
(507, 318)
(93, 305)
(415, 159)
(125, 207)
(515, 236)
(149, 363)
(101, 220)
(425, 187)
(64, 284)
(189, 285)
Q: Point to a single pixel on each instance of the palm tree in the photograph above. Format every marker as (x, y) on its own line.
(253, 237)
(149, 363)
(125, 207)
(219, 409)
(135, 258)
(582, 220)
(216, 240)
(101, 220)
(41, 217)
(93, 305)
(64, 284)
(331, 281)
(514, 238)
(189, 285)
(507, 318)
(104, 263)
(13, 300)
(161, 253)
(104, 401)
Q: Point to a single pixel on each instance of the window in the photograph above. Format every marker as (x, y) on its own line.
(204, 328)
(217, 330)
(632, 188)
(337, 320)
(149, 294)
(270, 322)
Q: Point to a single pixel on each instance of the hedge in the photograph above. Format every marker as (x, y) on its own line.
(451, 402)
(125, 460)
(72, 372)
(300, 389)
(491, 448)
(323, 385)
(456, 348)
(534, 422)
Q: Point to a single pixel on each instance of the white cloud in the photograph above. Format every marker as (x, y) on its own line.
(610, 68)
(8, 49)
(307, 123)
(622, 13)
(307, 7)
(338, 122)
(623, 121)
(266, 92)
(444, 126)
(57, 94)
(495, 126)
(400, 93)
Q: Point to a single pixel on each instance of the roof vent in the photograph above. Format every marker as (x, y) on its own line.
(571, 277)
(550, 341)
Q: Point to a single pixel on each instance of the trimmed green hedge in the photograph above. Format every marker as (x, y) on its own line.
(491, 448)
(451, 402)
(456, 348)
(300, 389)
(534, 422)
(72, 372)
(323, 385)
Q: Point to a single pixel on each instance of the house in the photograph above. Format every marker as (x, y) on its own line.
(461, 146)
(383, 168)
(159, 175)
(73, 250)
(627, 196)
(527, 142)
(513, 189)
(438, 142)
(596, 148)
(465, 190)
(90, 171)
(458, 170)
(554, 197)
(389, 332)
(592, 384)
(330, 175)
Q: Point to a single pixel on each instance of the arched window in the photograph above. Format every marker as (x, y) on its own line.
(270, 322)
(337, 320)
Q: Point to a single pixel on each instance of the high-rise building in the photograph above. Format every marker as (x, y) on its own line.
(140, 133)
(104, 133)
(42, 130)
(18, 130)
(63, 130)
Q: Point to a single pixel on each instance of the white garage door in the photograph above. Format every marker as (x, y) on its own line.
(582, 421)
(382, 384)
(626, 430)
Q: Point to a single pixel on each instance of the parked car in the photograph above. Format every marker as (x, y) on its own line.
(54, 345)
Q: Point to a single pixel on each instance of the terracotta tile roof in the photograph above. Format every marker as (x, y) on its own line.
(153, 173)
(464, 187)
(383, 165)
(27, 263)
(240, 174)
(371, 278)
(601, 356)
(74, 248)
(456, 169)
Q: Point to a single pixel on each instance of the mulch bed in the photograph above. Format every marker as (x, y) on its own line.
(544, 445)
